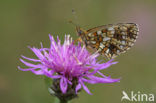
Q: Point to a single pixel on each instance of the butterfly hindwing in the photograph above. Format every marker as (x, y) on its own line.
(113, 39)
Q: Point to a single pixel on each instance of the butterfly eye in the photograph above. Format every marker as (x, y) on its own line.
(80, 32)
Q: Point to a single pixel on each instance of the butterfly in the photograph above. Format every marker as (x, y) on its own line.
(109, 40)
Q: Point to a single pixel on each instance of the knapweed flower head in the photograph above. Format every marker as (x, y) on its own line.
(70, 64)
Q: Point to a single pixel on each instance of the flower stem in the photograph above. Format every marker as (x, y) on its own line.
(56, 100)
(63, 101)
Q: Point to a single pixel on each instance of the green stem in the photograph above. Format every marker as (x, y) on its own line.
(56, 100)
(63, 101)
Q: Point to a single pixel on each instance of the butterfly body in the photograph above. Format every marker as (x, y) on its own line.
(110, 40)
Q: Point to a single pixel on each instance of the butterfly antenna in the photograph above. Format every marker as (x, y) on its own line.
(74, 14)
(75, 17)
(70, 21)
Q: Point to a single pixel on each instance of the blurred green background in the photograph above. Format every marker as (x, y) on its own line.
(28, 22)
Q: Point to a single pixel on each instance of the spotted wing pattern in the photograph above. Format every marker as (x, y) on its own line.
(112, 40)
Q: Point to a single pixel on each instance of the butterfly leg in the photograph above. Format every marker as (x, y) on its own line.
(78, 40)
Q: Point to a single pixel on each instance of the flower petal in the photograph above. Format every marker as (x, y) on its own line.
(38, 53)
(28, 69)
(89, 81)
(34, 60)
(38, 72)
(103, 80)
(85, 88)
(78, 87)
(63, 85)
(31, 65)
(104, 65)
(101, 74)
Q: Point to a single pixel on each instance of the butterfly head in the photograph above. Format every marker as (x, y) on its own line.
(80, 31)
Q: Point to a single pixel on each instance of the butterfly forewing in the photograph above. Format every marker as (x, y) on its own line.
(111, 40)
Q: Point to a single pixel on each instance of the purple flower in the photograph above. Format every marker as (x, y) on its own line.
(67, 62)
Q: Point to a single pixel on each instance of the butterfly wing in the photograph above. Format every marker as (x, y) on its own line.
(113, 39)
